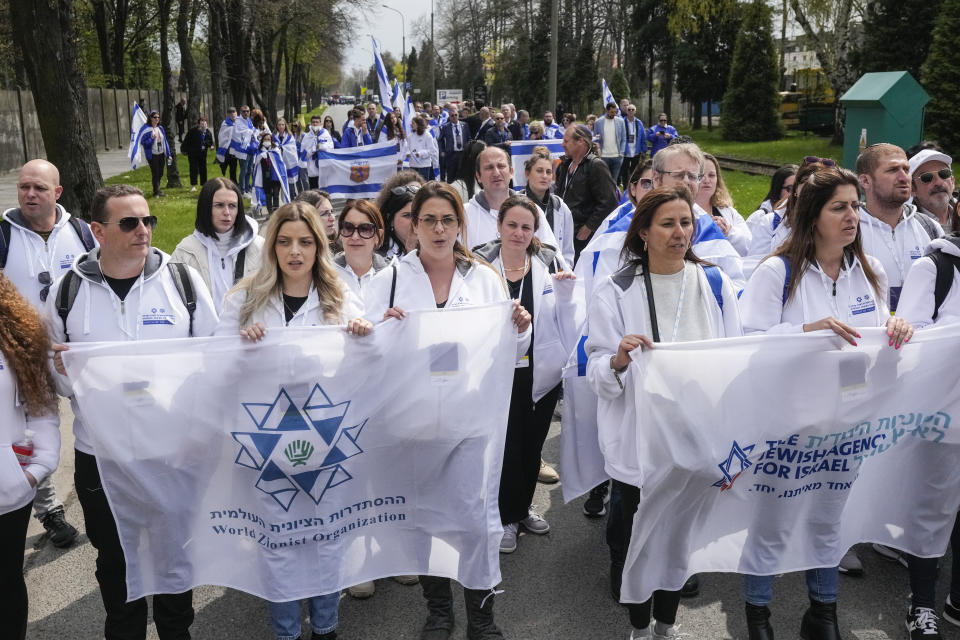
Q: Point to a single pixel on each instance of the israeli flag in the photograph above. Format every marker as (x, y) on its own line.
(520, 152)
(608, 96)
(138, 122)
(408, 117)
(386, 96)
(224, 136)
(357, 172)
(278, 170)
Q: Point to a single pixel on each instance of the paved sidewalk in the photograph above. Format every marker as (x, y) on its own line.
(112, 163)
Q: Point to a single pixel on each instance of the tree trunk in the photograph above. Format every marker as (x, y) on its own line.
(103, 40)
(709, 114)
(45, 34)
(167, 97)
(188, 66)
(237, 39)
(215, 49)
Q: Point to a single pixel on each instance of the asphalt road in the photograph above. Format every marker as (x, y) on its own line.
(556, 587)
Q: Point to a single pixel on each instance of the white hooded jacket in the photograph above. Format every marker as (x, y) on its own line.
(917, 298)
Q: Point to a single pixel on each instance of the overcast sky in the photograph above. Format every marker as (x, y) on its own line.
(384, 25)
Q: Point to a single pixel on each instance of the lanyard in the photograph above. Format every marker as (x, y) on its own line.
(653, 309)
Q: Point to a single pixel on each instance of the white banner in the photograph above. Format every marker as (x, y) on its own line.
(768, 454)
(357, 172)
(309, 462)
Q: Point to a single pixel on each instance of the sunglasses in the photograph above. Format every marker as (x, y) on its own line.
(927, 178)
(827, 162)
(411, 188)
(365, 229)
(44, 278)
(130, 223)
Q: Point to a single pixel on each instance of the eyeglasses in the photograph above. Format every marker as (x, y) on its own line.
(411, 188)
(646, 183)
(44, 278)
(827, 162)
(365, 229)
(324, 213)
(130, 223)
(684, 175)
(448, 222)
(927, 178)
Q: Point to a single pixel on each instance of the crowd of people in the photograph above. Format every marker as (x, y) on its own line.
(682, 265)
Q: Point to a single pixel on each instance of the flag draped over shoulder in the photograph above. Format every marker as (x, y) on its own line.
(520, 152)
(386, 96)
(278, 173)
(786, 450)
(138, 121)
(357, 172)
(304, 464)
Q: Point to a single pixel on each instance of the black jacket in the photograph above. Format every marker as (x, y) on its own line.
(196, 142)
(590, 192)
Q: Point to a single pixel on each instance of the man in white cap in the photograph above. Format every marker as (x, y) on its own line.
(933, 182)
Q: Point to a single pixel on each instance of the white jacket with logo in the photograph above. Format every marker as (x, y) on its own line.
(482, 223)
(850, 300)
(151, 310)
(554, 314)
(15, 491)
(896, 247)
(619, 307)
(28, 254)
(274, 315)
(916, 301)
(474, 283)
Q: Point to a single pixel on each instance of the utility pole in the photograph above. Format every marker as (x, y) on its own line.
(554, 36)
(433, 59)
(403, 35)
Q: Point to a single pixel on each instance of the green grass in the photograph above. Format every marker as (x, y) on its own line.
(177, 210)
(747, 190)
(789, 150)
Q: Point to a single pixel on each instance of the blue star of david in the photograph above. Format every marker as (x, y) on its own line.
(281, 422)
(737, 454)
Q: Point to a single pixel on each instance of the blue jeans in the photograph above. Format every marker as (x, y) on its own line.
(285, 616)
(246, 172)
(822, 586)
(614, 165)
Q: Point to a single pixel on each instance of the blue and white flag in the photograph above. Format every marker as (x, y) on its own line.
(357, 172)
(224, 138)
(278, 172)
(291, 157)
(399, 101)
(304, 464)
(138, 121)
(520, 152)
(769, 454)
(608, 96)
(386, 96)
(409, 114)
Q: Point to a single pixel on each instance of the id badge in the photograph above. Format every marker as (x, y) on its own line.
(523, 362)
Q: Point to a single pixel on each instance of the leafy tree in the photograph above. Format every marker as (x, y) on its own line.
(750, 105)
(941, 77)
(887, 21)
(618, 84)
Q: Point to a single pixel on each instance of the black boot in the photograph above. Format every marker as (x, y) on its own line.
(329, 635)
(439, 624)
(691, 588)
(480, 624)
(820, 622)
(758, 623)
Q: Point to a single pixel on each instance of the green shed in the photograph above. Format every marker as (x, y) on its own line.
(882, 107)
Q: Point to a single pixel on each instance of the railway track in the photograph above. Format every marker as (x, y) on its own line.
(752, 167)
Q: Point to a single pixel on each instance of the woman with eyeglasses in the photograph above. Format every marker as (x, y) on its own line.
(296, 285)
(534, 274)
(538, 170)
(820, 279)
(153, 139)
(664, 292)
(360, 228)
(224, 246)
(442, 274)
(28, 403)
(764, 221)
(714, 198)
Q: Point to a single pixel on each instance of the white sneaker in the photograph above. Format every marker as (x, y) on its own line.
(361, 591)
(850, 563)
(641, 634)
(665, 631)
(508, 543)
(534, 523)
(193, 188)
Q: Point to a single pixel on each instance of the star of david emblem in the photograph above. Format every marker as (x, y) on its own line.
(738, 456)
(298, 448)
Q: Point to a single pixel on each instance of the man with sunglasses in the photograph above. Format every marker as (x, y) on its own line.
(933, 182)
(635, 146)
(39, 241)
(892, 230)
(125, 290)
(660, 135)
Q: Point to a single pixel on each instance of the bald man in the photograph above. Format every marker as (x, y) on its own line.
(39, 241)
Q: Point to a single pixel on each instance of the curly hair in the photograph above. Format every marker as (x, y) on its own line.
(25, 343)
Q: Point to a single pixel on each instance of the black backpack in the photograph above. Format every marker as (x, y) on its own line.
(945, 264)
(70, 286)
(81, 228)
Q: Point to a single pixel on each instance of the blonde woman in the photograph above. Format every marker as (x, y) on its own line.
(714, 198)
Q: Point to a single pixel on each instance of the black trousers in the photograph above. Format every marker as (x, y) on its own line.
(231, 164)
(527, 429)
(626, 169)
(172, 613)
(313, 181)
(924, 573)
(157, 163)
(13, 603)
(272, 190)
(451, 166)
(662, 605)
(198, 168)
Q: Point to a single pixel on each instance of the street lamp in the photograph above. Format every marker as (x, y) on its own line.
(403, 32)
